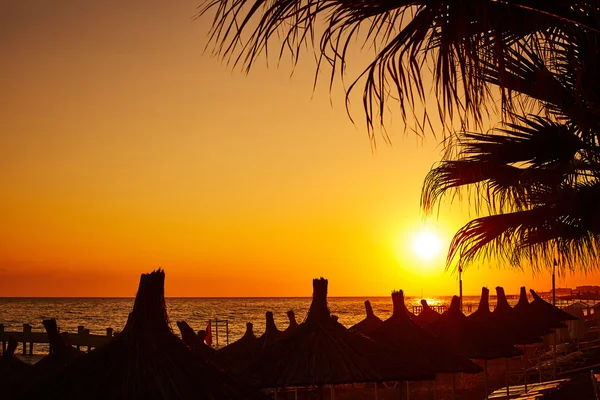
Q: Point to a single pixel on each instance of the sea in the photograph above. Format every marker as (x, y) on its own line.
(97, 314)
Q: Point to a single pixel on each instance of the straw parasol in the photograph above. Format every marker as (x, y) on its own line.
(427, 316)
(470, 338)
(518, 329)
(499, 340)
(271, 335)
(467, 337)
(11, 370)
(544, 311)
(293, 324)
(548, 315)
(321, 351)
(147, 361)
(238, 355)
(195, 341)
(370, 322)
(493, 342)
(524, 314)
(533, 322)
(60, 357)
(413, 345)
(11, 366)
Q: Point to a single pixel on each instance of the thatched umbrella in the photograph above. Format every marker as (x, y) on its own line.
(195, 341)
(147, 361)
(11, 370)
(528, 320)
(470, 337)
(272, 334)
(238, 355)
(321, 351)
(60, 357)
(517, 328)
(543, 311)
(370, 322)
(293, 324)
(528, 317)
(549, 315)
(11, 366)
(427, 315)
(412, 345)
(494, 333)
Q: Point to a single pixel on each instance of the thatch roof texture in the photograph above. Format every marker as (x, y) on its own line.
(272, 334)
(11, 366)
(370, 322)
(518, 329)
(469, 338)
(62, 355)
(293, 323)
(195, 341)
(427, 315)
(495, 340)
(11, 370)
(147, 361)
(412, 345)
(533, 320)
(540, 308)
(238, 355)
(322, 351)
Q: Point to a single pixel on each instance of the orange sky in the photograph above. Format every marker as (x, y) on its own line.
(124, 148)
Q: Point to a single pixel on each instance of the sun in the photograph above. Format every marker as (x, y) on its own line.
(426, 245)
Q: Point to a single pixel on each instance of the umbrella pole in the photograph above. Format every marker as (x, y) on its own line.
(407, 393)
(375, 390)
(332, 392)
(525, 368)
(539, 365)
(433, 381)
(506, 378)
(554, 355)
(275, 392)
(485, 378)
(453, 386)
(296, 393)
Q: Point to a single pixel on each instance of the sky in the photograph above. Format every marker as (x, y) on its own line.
(126, 147)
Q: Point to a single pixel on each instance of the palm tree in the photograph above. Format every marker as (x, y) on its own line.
(537, 177)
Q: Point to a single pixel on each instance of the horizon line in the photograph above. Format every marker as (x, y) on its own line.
(242, 297)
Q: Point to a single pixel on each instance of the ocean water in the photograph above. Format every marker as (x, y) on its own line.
(97, 314)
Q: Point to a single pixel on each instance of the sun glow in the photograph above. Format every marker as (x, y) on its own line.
(426, 245)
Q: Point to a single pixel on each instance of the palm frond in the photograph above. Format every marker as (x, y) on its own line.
(496, 187)
(565, 224)
(508, 167)
(455, 39)
(536, 141)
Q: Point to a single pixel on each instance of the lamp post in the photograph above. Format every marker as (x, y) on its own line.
(554, 283)
(460, 286)
(554, 304)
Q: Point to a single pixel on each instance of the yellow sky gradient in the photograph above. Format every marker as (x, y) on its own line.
(125, 148)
